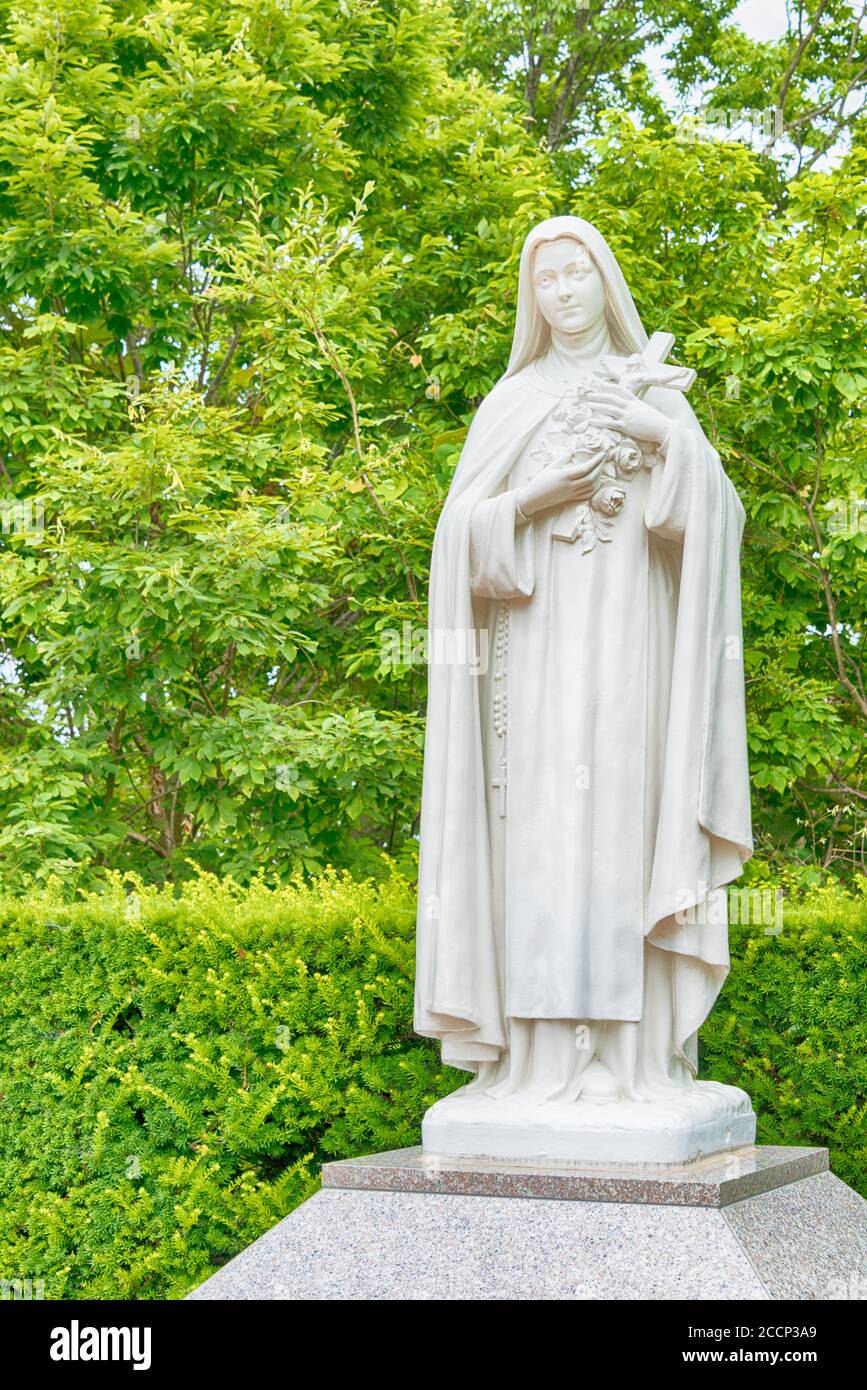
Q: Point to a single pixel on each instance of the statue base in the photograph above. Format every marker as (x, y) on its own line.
(707, 1118)
(761, 1223)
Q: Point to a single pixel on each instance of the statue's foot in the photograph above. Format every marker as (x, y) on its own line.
(483, 1078)
(598, 1085)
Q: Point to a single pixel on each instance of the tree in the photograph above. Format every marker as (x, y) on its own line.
(257, 269)
(570, 61)
(216, 421)
(812, 81)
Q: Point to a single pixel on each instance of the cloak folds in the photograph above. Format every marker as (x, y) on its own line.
(703, 832)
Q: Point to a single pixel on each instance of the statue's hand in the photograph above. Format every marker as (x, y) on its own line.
(559, 483)
(617, 408)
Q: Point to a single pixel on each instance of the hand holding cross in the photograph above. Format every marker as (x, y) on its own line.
(618, 404)
(649, 368)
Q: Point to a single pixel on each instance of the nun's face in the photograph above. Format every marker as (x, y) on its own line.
(569, 289)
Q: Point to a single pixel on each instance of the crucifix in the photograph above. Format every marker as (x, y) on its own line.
(500, 783)
(649, 368)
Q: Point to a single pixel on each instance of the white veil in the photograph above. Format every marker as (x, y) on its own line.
(533, 333)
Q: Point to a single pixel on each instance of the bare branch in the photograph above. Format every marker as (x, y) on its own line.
(800, 50)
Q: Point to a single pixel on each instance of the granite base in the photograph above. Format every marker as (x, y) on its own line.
(762, 1223)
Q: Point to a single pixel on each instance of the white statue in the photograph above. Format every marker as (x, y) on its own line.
(586, 795)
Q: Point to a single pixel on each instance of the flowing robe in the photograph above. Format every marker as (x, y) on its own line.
(626, 796)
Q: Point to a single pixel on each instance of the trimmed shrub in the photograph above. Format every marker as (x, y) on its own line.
(791, 1027)
(177, 1066)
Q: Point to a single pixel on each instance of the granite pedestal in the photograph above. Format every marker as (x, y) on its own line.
(757, 1223)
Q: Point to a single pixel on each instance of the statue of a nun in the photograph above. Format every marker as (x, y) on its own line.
(586, 794)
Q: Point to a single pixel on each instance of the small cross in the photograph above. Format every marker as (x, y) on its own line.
(500, 782)
(649, 368)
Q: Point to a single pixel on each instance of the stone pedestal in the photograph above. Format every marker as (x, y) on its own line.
(706, 1118)
(757, 1223)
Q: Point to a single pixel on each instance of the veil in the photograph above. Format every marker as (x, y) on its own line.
(533, 333)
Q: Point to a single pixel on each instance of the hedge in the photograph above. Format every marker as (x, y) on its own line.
(175, 1070)
(791, 1027)
(175, 1066)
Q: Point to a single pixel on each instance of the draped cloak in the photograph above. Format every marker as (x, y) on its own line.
(702, 822)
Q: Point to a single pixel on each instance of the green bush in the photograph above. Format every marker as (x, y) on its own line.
(176, 1067)
(791, 1027)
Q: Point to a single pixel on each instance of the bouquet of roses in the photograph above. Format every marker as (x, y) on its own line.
(575, 437)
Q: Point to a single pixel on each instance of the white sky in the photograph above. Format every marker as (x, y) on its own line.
(762, 19)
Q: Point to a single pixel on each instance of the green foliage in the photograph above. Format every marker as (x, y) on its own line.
(177, 1066)
(175, 1070)
(790, 1027)
(210, 382)
(569, 62)
(257, 269)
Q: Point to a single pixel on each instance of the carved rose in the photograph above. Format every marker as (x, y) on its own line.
(627, 458)
(593, 440)
(575, 436)
(572, 414)
(585, 385)
(609, 500)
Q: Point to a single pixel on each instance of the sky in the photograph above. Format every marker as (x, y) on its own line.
(762, 19)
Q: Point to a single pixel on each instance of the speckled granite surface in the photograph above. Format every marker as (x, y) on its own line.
(346, 1245)
(710, 1182)
(805, 1240)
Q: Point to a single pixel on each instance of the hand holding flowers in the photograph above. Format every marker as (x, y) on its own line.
(589, 454)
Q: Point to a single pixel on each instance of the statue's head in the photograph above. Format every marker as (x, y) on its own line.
(568, 286)
(568, 280)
